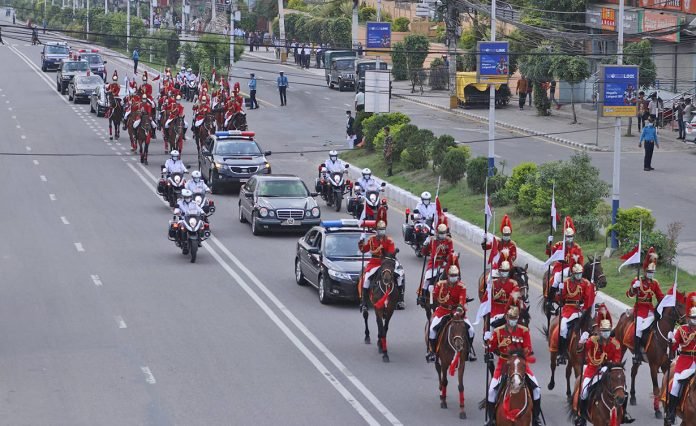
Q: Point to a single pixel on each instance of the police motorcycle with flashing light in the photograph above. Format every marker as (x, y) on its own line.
(200, 193)
(332, 182)
(366, 195)
(188, 227)
(418, 225)
(172, 180)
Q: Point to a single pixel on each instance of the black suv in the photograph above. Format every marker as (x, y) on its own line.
(67, 70)
(95, 61)
(52, 54)
(232, 157)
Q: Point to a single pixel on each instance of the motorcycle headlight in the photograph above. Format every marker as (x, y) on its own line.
(373, 198)
(315, 212)
(177, 179)
(192, 222)
(263, 212)
(199, 199)
(338, 275)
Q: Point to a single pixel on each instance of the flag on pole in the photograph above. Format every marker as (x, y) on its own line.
(494, 256)
(485, 306)
(487, 207)
(555, 217)
(440, 216)
(633, 256)
(670, 299)
(556, 256)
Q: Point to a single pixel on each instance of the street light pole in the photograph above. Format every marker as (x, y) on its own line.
(128, 2)
(106, 7)
(491, 106)
(281, 29)
(354, 26)
(452, 25)
(86, 35)
(232, 11)
(379, 12)
(214, 12)
(616, 181)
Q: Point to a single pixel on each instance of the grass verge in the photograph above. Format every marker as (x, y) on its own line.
(527, 233)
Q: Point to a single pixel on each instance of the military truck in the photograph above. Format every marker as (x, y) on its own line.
(339, 68)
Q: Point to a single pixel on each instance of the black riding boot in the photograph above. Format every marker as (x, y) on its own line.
(430, 356)
(637, 354)
(472, 352)
(490, 408)
(671, 409)
(401, 305)
(561, 359)
(536, 412)
(582, 411)
(627, 419)
(365, 299)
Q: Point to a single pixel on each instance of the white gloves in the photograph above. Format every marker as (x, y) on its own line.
(636, 284)
(431, 288)
(670, 336)
(487, 336)
(584, 337)
(550, 239)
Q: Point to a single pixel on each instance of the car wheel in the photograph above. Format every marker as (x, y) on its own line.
(58, 87)
(331, 85)
(70, 98)
(43, 68)
(254, 226)
(242, 219)
(299, 276)
(213, 183)
(323, 293)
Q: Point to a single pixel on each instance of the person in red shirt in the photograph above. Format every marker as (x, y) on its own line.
(646, 292)
(684, 341)
(599, 350)
(576, 295)
(505, 339)
(502, 249)
(573, 253)
(503, 289)
(437, 250)
(114, 88)
(450, 296)
(378, 246)
(202, 110)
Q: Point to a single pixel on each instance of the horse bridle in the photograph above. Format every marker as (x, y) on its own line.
(592, 264)
(679, 319)
(612, 391)
(449, 334)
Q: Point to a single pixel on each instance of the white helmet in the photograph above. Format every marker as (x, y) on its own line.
(174, 154)
(367, 173)
(333, 155)
(196, 175)
(425, 197)
(189, 69)
(187, 194)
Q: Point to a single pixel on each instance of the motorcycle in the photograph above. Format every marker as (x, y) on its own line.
(188, 233)
(370, 201)
(416, 230)
(170, 186)
(206, 204)
(191, 90)
(332, 186)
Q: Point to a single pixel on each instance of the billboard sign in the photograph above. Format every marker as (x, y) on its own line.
(660, 21)
(493, 62)
(618, 87)
(378, 35)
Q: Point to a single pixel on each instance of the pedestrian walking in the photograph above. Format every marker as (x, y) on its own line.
(388, 150)
(136, 58)
(252, 92)
(530, 88)
(282, 88)
(649, 137)
(350, 132)
(642, 110)
(552, 93)
(521, 91)
(652, 107)
(359, 101)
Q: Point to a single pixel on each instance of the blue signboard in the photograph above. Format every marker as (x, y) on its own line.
(493, 62)
(618, 90)
(378, 34)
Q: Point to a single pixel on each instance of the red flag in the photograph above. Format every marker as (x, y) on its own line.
(631, 258)
(630, 253)
(156, 78)
(441, 218)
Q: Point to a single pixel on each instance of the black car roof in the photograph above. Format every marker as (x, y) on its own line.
(278, 177)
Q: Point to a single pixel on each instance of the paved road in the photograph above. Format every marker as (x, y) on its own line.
(114, 326)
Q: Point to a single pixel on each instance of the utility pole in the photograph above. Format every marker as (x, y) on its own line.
(86, 35)
(74, 5)
(183, 17)
(152, 22)
(128, 2)
(281, 30)
(354, 26)
(137, 8)
(214, 12)
(106, 7)
(232, 12)
(491, 106)
(379, 12)
(452, 25)
(616, 181)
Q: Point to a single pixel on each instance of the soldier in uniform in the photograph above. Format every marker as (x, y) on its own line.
(684, 341)
(450, 295)
(510, 337)
(114, 88)
(505, 248)
(378, 246)
(573, 253)
(645, 291)
(202, 110)
(437, 249)
(503, 289)
(576, 295)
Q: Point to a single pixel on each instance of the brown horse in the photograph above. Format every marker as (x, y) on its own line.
(686, 408)
(174, 135)
(517, 273)
(219, 111)
(238, 121)
(206, 129)
(656, 344)
(452, 352)
(514, 405)
(132, 118)
(605, 401)
(164, 116)
(115, 115)
(383, 296)
(574, 349)
(142, 136)
(591, 271)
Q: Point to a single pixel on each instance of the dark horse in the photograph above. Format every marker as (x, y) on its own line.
(656, 350)
(514, 404)
(115, 115)
(605, 401)
(142, 136)
(173, 135)
(238, 121)
(591, 271)
(383, 297)
(206, 129)
(452, 352)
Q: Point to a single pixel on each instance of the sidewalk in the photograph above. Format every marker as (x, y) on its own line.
(590, 133)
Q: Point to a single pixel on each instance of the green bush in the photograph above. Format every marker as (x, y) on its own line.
(453, 167)
(587, 226)
(439, 149)
(477, 170)
(367, 13)
(297, 5)
(360, 116)
(439, 75)
(400, 136)
(399, 62)
(415, 157)
(417, 47)
(401, 24)
(417, 144)
(521, 174)
(666, 250)
(376, 122)
(628, 222)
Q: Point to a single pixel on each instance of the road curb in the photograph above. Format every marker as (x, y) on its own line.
(474, 234)
(504, 125)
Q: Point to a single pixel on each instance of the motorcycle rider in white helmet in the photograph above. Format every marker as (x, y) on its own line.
(334, 164)
(186, 206)
(427, 210)
(174, 164)
(196, 184)
(367, 182)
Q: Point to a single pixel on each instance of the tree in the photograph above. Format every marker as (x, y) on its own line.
(640, 54)
(572, 69)
(417, 47)
(341, 32)
(399, 62)
(535, 66)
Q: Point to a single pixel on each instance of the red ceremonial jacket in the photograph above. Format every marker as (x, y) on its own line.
(503, 341)
(573, 255)
(437, 251)
(449, 297)
(598, 353)
(576, 295)
(501, 292)
(114, 88)
(685, 340)
(147, 89)
(377, 247)
(500, 246)
(648, 290)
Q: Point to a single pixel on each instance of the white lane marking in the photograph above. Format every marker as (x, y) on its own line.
(14, 117)
(118, 143)
(149, 378)
(113, 148)
(96, 280)
(36, 162)
(308, 92)
(43, 178)
(326, 98)
(118, 153)
(121, 323)
(7, 102)
(28, 148)
(124, 159)
(38, 72)
(18, 126)
(9, 108)
(64, 220)
(271, 313)
(52, 197)
(78, 247)
(23, 136)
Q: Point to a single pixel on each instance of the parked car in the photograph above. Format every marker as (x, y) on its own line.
(82, 86)
(327, 257)
(278, 203)
(232, 157)
(98, 101)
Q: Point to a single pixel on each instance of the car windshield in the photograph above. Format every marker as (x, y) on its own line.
(93, 59)
(344, 65)
(76, 66)
(342, 245)
(57, 50)
(237, 148)
(282, 188)
(89, 80)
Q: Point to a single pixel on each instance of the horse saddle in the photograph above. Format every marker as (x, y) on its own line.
(136, 123)
(645, 340)
(199, 122)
